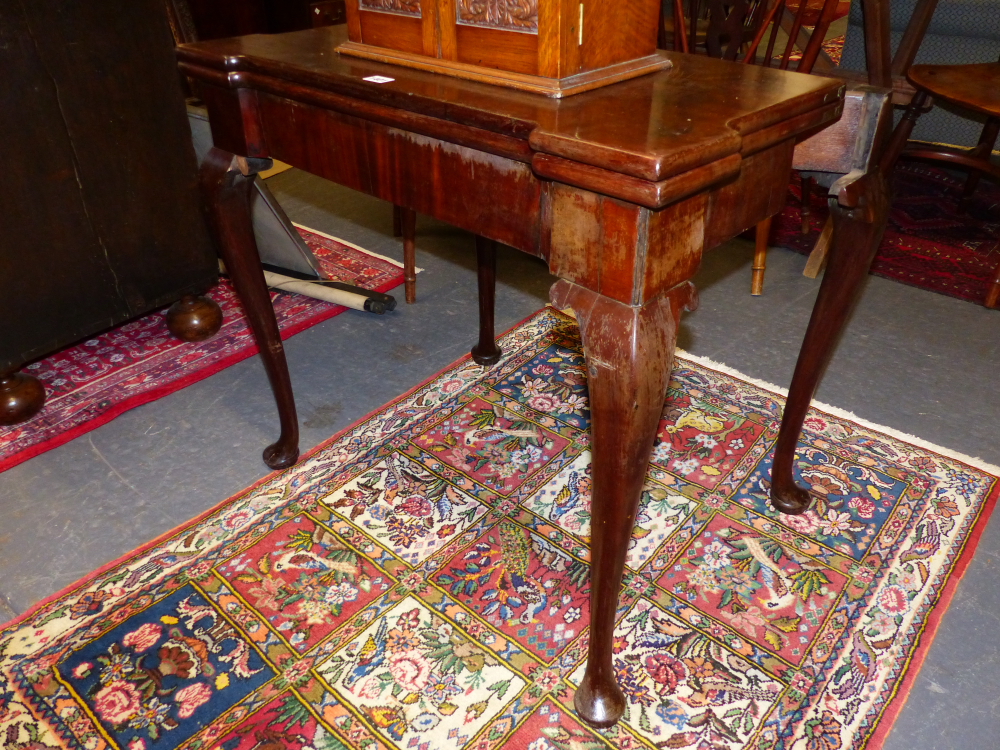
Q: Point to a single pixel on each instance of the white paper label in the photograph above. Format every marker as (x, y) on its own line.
(379, 79)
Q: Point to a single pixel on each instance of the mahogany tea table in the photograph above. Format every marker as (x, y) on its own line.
(619, 189)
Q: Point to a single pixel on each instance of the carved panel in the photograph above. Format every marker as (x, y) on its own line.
(403, 7)
(514, 15)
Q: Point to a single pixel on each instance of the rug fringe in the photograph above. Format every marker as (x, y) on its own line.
(352, 245)
(836, 411)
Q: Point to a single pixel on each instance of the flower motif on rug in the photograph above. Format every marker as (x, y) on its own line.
(422, 582)
(765, 591)
(406, 507)
(493, 444)
(852, 503)
(163, 674)
(411, 672)
(565, 501)
(683, 688)
(303, 578)
(700, 440)
(553, 382)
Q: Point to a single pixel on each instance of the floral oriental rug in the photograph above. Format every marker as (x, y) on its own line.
(928, 242)
(421, 581)
(94, 381)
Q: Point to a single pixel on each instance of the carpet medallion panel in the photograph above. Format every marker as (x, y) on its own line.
(94, 381)
(421, 581)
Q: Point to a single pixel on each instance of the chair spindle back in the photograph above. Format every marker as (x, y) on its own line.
(736, 29)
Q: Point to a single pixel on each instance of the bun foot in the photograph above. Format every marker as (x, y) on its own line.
(486, 355)
(599, 704)
(280, 456)
(21, 397)
(194, 318)
(791, 499)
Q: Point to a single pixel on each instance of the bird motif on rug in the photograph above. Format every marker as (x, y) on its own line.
(853, 675)
(214, 636)
(928, 542)
(487, 427)
(568, 498)
(515, 546)
(150, 568)
(700, 420)
(402, 479)
(775, 579)
(304, 557)
(371, 656)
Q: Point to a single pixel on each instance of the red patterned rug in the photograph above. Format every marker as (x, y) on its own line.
(928, 243)
(91, 383)
(422, 582)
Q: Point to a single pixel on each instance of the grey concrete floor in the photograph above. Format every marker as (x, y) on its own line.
(912, 360)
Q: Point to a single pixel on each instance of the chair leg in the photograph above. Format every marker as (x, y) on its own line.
(817, 258)
(486, 352)
(987, 140)
(408, 220)
(897, 142)
(807, 186)
(760, 257)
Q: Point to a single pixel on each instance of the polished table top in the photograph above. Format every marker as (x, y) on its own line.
(650, 128)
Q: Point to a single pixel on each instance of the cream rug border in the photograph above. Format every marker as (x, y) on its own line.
(836, 411)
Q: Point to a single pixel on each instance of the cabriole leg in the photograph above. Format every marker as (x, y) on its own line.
(227, 183)
(856, 236)
(629, 353)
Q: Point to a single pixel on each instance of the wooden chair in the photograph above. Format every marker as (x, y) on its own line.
(972, 87)
(737, 31)
(886, 68)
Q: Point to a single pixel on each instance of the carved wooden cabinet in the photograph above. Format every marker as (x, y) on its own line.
(552, 47)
